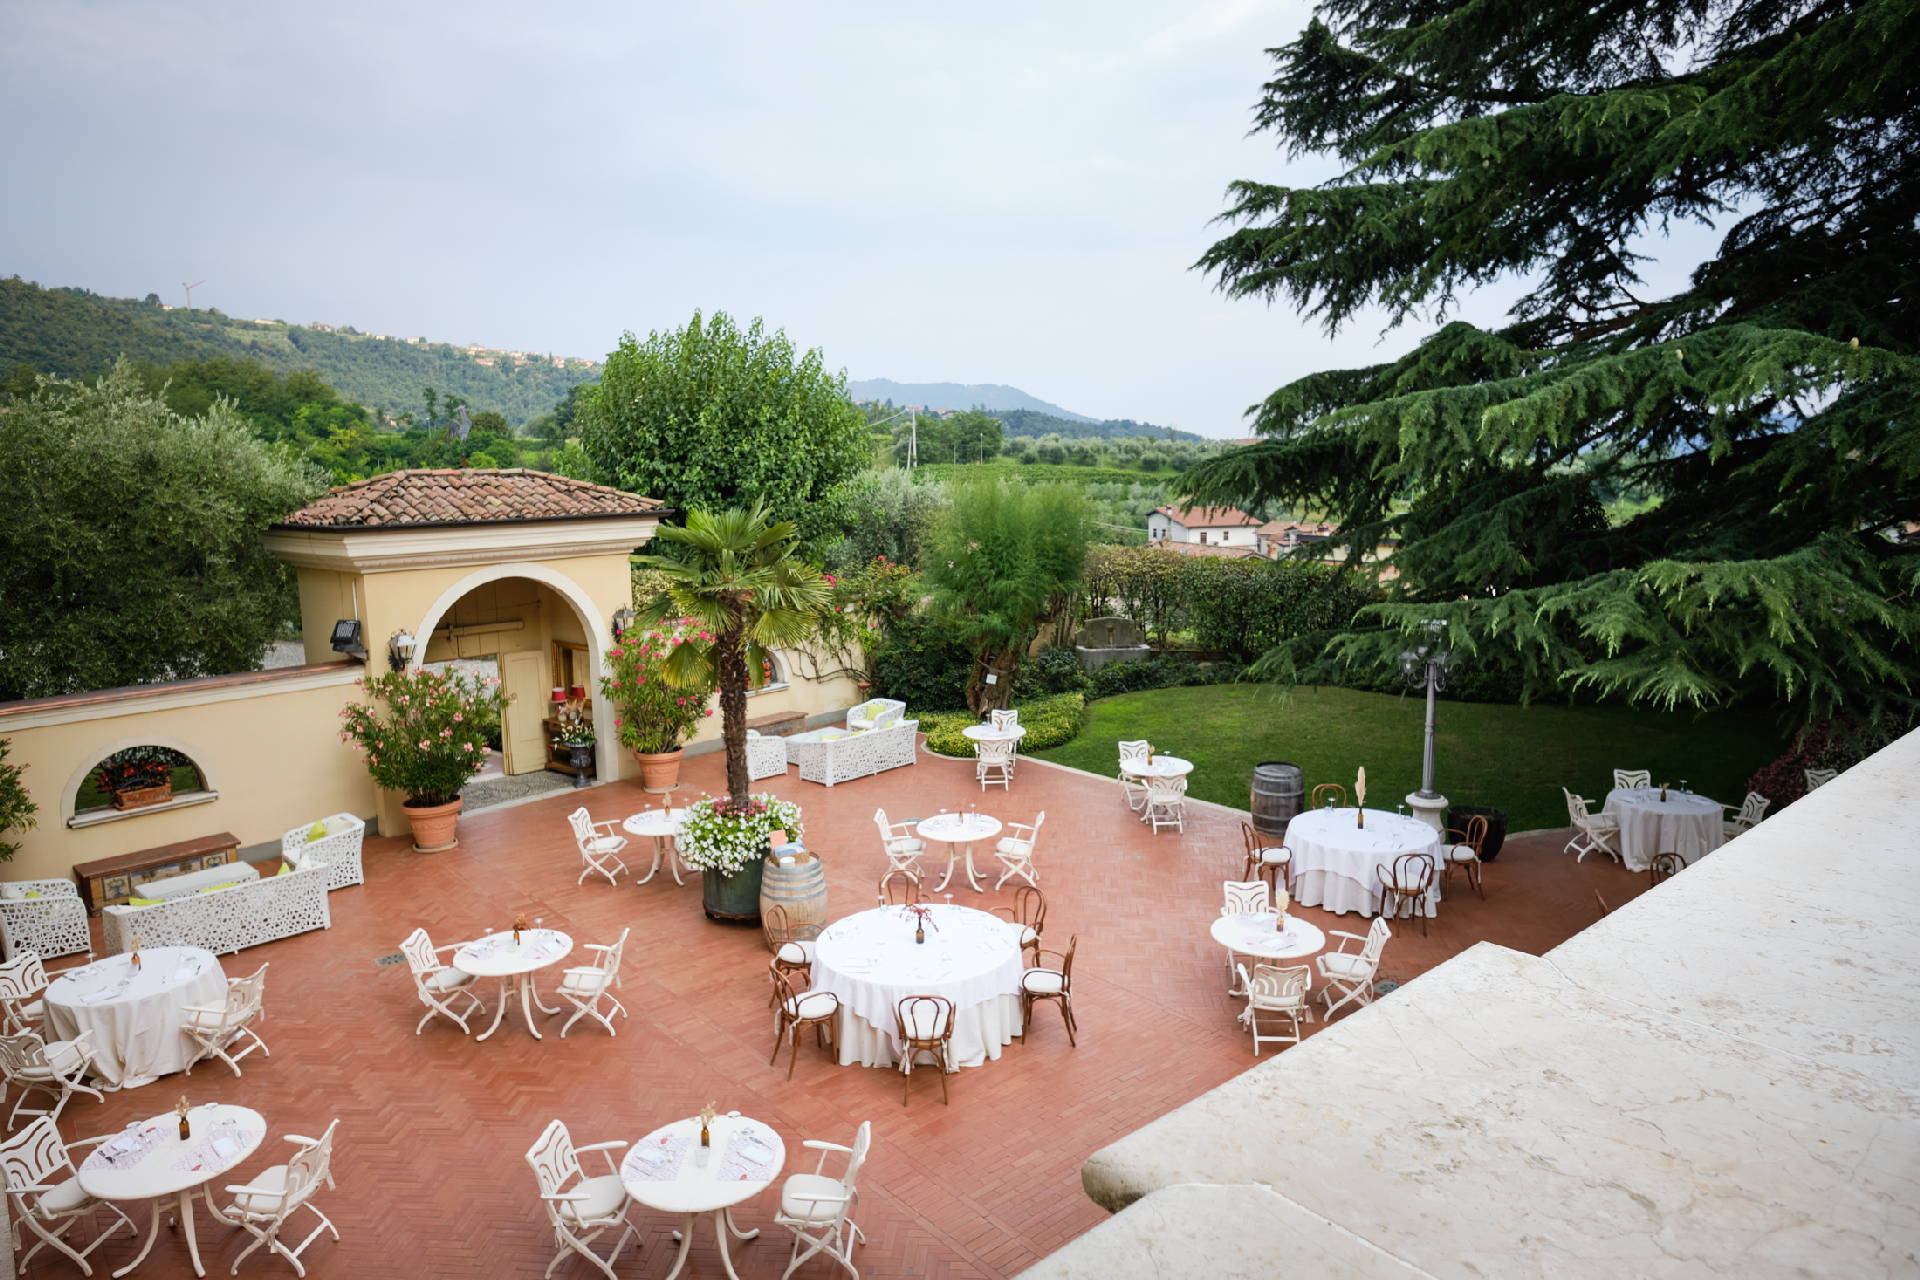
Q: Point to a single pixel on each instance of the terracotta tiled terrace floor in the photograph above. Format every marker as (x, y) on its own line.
(433, 1127)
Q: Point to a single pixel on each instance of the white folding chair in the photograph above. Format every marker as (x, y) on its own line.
(261, 1207)
(599, 846)
(1166, 804)
(35, 1066)
(993, 763)
(1277, 992)
(818, 1209)
(586, 986)
(1133, 788)
(903, 848)
(441, 987)
(1351, 973)
(44, 1188)
(1242, 898)
(225, 1031)
(1015, 852)
(1751, 810)
(23, 981)
(1632, 778)
(1592, 832)
(580, 1209)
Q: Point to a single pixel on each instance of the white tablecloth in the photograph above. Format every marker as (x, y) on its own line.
(1334, 859)
(871, 962)
(1159, 767)
(135, 1015)
(1683, 823)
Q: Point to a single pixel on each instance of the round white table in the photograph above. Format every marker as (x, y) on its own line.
(1335, 859)
(666, 1171)
(1684, 823)
(136, 1015)
(148, 1161)
(958, 831)
(663, 827)
(1161, 766)
(1253, 934)
(987, 733)
(498, 956)
(870, 961)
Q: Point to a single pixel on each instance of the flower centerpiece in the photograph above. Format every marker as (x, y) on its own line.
(655, 717)
(423, 734)
(727, 840)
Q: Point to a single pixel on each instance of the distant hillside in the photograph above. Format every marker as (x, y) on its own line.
(1025, 422)
(74, 332)
(990, 396)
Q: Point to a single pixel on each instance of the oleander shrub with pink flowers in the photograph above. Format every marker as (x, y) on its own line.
(653, 716)
(423, 732)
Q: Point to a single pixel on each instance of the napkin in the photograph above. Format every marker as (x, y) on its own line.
(657, 1161)
(749, 1158)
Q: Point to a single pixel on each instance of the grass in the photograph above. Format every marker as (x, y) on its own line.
(1514, 758)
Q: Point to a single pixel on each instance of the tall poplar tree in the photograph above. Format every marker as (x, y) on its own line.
(1766, 411)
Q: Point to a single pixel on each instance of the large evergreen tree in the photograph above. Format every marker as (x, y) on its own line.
(1767, 409)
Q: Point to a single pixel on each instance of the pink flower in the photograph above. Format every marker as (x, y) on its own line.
(616, 653)
(423, 744)
(709, 710)
(466, 746)
(639, 679)
(458, 717)
(617, 722)
(373, 759)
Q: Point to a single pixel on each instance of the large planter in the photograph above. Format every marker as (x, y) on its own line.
(734, 897)
(581, 758)
(141, 797)
(659, 770)
(1457, 817)
(435, 826)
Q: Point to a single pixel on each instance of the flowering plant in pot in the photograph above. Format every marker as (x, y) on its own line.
(654, 717)
(423, 733)
(727, 840)
(139, 776)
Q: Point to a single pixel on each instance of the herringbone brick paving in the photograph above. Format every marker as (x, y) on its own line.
(433, 1127)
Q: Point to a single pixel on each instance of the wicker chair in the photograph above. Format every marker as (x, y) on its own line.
(816, 1009)
(1405, 885)
(925, 1025)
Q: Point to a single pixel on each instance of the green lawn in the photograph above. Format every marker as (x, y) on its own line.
(1515, 758)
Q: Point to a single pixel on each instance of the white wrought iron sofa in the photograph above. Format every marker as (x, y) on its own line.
(224, 920)
(826, 758)
(53, 922)
(339, 848)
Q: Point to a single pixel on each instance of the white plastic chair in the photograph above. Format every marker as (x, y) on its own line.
(440, 987)
(1015, 852)
(599, 846)
(1279, 992)
(1751, 810)
(35, 1066)
(23, 980)
(902, 847)
(44, 1188)
(1817, 778)
(1166, 804)
(818, 1209)
(225, 1031)
(580, 1209)
(1004, 720)
(1632, 778)
(1245, 897)
(1592, 832)
(586, 986)
(993, 763)
(1351, 973)
(261, 1207)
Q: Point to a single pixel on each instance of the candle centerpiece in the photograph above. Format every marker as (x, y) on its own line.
(1360, 796)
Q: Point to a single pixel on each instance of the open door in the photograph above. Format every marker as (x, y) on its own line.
(523, 730)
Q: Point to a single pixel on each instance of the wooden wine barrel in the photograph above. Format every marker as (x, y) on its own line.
(801, 890)
(1277, 788)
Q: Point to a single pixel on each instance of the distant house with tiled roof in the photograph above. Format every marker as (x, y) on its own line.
(1203, 526)
(451, 496)
(1277, 537)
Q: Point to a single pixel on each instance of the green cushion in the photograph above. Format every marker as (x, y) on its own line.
(210, 888)
(35, 893)
(318, 831)
(144, 902)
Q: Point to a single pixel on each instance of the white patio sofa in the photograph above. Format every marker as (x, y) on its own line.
(827, 759)
(224, 920)
(873, 714)
(339, 849)
(54, 923)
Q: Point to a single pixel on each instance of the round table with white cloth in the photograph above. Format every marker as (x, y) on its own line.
(958, 831)
(1683, 823)
(148, 1160)
(667, 1171)
(136, 1015)
(1158, 767)
(1335, 859)
(514, 961)
(663, 827)
(871, 962)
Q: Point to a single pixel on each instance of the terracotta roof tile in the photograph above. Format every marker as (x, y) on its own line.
(1207, 517)
(402, 499)
(1207, 549)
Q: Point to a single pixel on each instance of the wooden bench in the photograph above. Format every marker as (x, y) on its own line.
(108, 881)
(779, 724)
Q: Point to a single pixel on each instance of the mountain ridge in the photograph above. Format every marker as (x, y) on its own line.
(957, 395)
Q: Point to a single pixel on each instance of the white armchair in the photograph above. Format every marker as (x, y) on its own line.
(818, 1209)
(32, 1065)
(338, 849)
(1166, 804)
(261, 1207)
(1015, 852)
(599, 846)
(1632, 778)
(445, 990)
(1747, 816)
(1277, 992)
(225, 1031)
(902, 847)
(993, 762)
(1592, 832)
(579, 1208)
(23, 981)
(1817, 778)
(1352, 973)
(875, 713)
(766, 757)
(585, 986)
(37, 1172)
(45, 916)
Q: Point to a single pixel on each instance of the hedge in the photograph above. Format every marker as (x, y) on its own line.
(1049, 722)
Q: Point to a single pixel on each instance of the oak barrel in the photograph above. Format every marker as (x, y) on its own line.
(800, 890)
(1277, 787)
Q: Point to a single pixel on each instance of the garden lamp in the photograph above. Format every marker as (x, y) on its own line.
(1428, 667)
(623, 620)
(400, 647)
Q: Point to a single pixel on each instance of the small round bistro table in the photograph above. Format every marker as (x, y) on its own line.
(662, 826)
(498, 956)
(987, 733)
(958, 831)
(666, 1171)
(1684, 823)
(1160, 766)
(148, 1161)
(136, 1015)
(1254, 934)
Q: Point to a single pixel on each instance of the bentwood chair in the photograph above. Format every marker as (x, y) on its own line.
(816, 1009)
(925, 1025)
(1266, 859)
(898, 889)
(1029, 911)
(1404, 886)
(791, 955)
(1665, 866)
(1463, 851)
(1040, 983)
(1333, 793)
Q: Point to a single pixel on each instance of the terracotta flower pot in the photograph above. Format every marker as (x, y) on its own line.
(141, 797)
(434, 826)
(659, 770)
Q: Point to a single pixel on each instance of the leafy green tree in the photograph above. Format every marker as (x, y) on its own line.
(1767, 406)
(18, 812)
(711, 416)
(130, 541)
(887, 515)
(740, 578)
(1003, 560)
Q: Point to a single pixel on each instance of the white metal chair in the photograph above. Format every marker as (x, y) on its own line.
(1817, 778)
(1632, 778)
(993, 763)
(1278, 992)
(1351, 973)
(599, 846)
(225, 1031)
(902, 847)
(818, 1209)
(23, 980)
(44, 1188)
(35, 1066)
(766, 757)
(1002, 721)
(1751, 810)
(261, 1207)
(1166, 804)
(1015, 852)
(579, 1208)
(1245, 897)
(1592, 832)
(441, 987)
(585, 986)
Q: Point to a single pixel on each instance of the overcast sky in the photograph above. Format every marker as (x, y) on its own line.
(991, 193)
